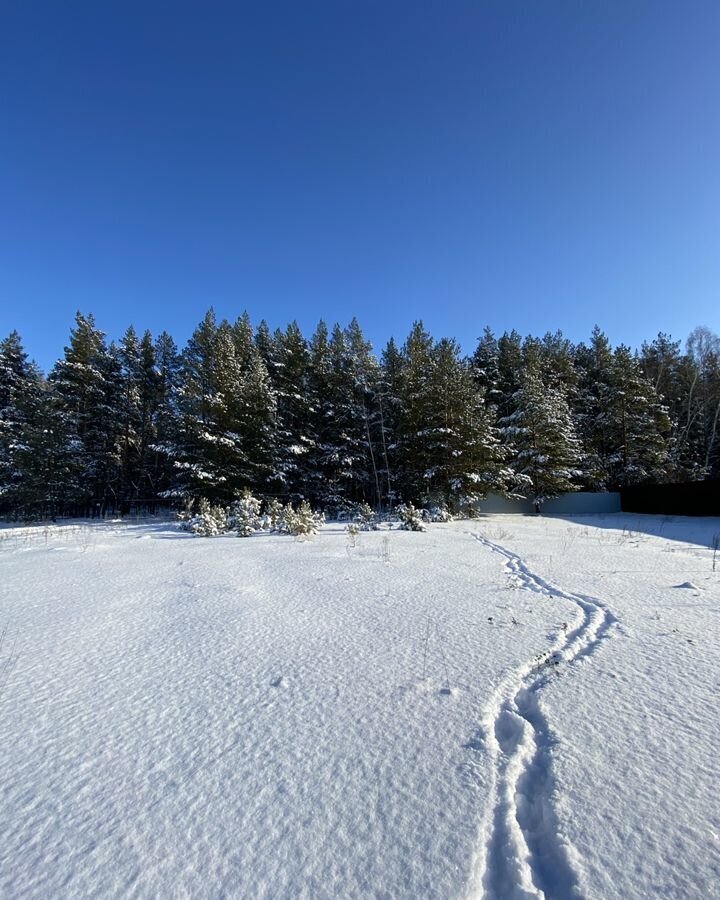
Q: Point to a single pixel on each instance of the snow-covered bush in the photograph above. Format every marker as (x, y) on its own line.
(273, 515)
(410, 518)
(301, 521)
(365, 517)
(209, 520)
(244, 518)
(318, 518)
(437, 513)
(244, 515)
(468, 506)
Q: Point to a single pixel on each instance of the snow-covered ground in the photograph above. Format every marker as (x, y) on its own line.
(506, 708)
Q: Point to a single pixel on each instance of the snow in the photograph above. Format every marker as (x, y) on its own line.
(503, 708)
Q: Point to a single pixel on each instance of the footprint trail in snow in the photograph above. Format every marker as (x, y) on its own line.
(523, 854)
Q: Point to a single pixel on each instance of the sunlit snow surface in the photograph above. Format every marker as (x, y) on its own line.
(506, 708)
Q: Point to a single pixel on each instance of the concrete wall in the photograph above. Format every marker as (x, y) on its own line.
(583, 502)
(580, 503)
(495, 503)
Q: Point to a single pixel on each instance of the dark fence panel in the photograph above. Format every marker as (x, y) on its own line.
(47, 512)
(693, 498)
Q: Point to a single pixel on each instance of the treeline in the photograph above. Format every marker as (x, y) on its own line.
(139, 423)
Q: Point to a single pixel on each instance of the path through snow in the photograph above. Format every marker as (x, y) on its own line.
(525, 856)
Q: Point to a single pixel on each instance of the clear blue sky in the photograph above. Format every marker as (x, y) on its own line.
(537, 165)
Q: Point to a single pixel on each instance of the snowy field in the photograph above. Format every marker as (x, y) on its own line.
(506, 708)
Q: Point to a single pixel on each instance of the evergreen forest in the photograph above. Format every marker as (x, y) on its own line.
(139, 423)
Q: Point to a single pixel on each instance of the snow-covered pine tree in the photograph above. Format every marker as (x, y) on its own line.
(510, 364)
(22, 455)
(165, 447)
(244, 515)
(388, 409)
(416, 423)
(557, 356)
(348, 447)
(485, 367)
(294, 438)
(364, 378)
(144, 396)
(448, 450)
(320, 414)
(131, 403)
(345, 367)
(85, 421)
(662, 363)
(703, 352)
(228, 409)
(265, 343)
(197, 473)
(208, 521)
(301, 521)
(638, 424)
(464, 454)
(468, 453)
(410, 518)
(593, 419)
(257, 424)
(546, 451)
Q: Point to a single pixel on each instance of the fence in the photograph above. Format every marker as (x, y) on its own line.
(580, 503)
(693, 498)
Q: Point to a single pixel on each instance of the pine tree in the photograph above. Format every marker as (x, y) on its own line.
(143, 394)
(346, 453)
(414, 438)
(486, 369)
(257, 424)
(387, 418)
(510, 366)
(321, 419)
(703, 352)
(266, 346)
(547, 452)
(131, 409)
(166, 445)
(467, 456)
(667, 370)
(557, 355)
(85, 421)
(448, 450)
(196, 475)
(228, 409)
(21, 430)
(592, 408)
(638, 424)
(363, 382)
(294, 438)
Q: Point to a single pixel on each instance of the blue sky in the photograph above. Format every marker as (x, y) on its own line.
(537, 165)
